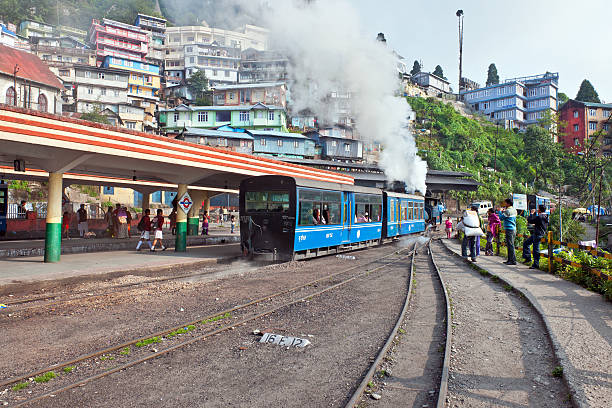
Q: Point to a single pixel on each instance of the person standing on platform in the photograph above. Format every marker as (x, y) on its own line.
(492, 227)
(129, 222)
(82, 215)
(232, 223)
(157, 224)
(109, 218)
(144, 226)
(172, 218)
(508, 217)
(122, 230)
(66, 225)
(540, 223)
(205, 220)
(449, 227)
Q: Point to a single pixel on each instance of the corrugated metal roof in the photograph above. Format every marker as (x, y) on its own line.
(247, 86)
(216, 133)
(30, 67)
(277, 134)
(223, 108)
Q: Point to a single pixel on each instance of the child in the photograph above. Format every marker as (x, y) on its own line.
(157, 224)
(232, 223)
(449, 227)
(66, 224)
(494, 223)
(205, 223)
(144, 226)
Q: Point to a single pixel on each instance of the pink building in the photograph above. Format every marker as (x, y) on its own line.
(119, 40)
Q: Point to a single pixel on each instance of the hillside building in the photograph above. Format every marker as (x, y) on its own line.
(518, 102)
(584, 120)
(156, 31)
(273, 93)
(262, 66)
(433, 84)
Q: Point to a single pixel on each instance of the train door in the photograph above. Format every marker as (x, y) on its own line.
(347, 216)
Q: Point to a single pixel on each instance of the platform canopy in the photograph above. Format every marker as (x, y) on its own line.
(64, 145)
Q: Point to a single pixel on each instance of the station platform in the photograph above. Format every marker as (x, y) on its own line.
(579, 323)
(27, 270)
(36, 247)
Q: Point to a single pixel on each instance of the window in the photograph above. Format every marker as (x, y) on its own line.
(296, 144)
(231, 95)
(42, 103)
(319, 207)
(576, 128)
(202, 116)
(176, 116)
(130, 125)
(116, 92)
(244, 117)
(592, 125)
(606, 127)
(279, 142)
(227, 74)
(87, 74)
(64, 72)
(368, 208)
(271, 115)
(334, 143)
(189, 49)
(89, 91)
(192, 60)
(108, 190)
(605, 113)
(100, 75)
(267, 201)
(347, 147)
(262, 142)
(11, 96)
(576, 142)
(103, 91)
(592, 112)
(223, 116)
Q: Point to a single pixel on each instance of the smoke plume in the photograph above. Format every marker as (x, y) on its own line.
(328, 51)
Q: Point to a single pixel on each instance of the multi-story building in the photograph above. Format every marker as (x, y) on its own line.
(29, 29)
(269, 143)
(433, 84)
(58, 52)
(8, 36)
(518, 102)
(257, 116)
(248, 37)
(236, 140)
(156, 29)
(583, 120)
(122, 41)
(333, 146)
(27, 82)
(72, 32)
(273, 93)
(262, 66)
(219, 63)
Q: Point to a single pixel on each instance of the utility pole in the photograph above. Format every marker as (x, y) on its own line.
(495, 155)
(15, 71)
(460, 18)
(598, 209)
(560, 216)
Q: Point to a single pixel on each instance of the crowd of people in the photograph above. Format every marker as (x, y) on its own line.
(504, 217)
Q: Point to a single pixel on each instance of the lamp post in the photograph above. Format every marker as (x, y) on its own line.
(460, 18)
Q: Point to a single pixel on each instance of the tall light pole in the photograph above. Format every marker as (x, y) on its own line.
(460, 18)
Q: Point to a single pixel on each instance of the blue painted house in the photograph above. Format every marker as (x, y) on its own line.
(335, 147)
(281, 144)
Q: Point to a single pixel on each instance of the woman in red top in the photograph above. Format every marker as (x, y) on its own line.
(157, 225)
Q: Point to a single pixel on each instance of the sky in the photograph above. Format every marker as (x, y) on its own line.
(522, 38)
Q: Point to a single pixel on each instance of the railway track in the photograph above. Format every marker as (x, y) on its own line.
(109, 360)
(422, 368)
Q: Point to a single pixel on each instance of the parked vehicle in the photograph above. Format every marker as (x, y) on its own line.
(483, 207)
(284, 218)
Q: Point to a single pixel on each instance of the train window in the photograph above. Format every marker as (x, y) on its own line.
(267, 201)
(319, 207)
(410, 210)
(368, 208)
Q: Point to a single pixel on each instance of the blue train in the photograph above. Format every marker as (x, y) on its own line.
(285, 218)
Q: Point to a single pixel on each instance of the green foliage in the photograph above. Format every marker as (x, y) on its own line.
(583, 275)
(146, 342)
(75, 13)
(557, 372)
(562, 98)
(95, 116)
(20, 386)
(438, 72)
(416, 68)
(587, 93)
(492, 77)
(20, 185)
(68, 369)
(542, 153)
(46, 377)
(198, 85)
(573, 231)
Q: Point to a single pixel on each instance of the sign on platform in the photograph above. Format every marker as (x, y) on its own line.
(519, 201)
(185, 203)
(281, 340)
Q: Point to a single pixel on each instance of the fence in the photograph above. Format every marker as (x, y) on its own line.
(94, 211)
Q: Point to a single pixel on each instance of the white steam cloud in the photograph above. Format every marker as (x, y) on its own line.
(328, 51)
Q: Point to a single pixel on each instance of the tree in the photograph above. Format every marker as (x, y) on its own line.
(416, 68)
(492, 77)
(562, 98)
(543, 154)
(438, 72)
(95, 116)
(587, 93)
(198, 86)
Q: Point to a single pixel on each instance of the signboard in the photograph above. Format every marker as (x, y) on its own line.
(281, 340)
(185, 203)
(520, 201)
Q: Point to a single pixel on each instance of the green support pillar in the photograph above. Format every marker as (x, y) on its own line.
(53, 234)
(181, 223)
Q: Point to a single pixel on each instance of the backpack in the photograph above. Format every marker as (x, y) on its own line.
(141, 224)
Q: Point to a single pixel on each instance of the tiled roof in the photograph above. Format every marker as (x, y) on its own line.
(30, 67)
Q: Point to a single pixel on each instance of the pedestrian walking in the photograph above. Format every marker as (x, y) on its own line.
(82, 216)
(172, 218)
(492, 226)
(232, 223)
(449, 227)
(157, 224)
(540, 224)
(66, 225)
(129, 222)
(116, 220)
(508, 218)
(205, 220)
(472, 231)
(144, 226)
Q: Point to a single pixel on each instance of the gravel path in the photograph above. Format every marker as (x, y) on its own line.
(46, 336)
(410, 373)
(501, 355)
(346, 327)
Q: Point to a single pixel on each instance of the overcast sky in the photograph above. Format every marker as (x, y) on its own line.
(522, 37)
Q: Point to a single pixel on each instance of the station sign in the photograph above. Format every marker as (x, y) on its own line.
(519, 201)
(185, 203)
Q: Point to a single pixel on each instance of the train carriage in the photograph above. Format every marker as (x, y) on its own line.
(287, 218)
